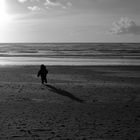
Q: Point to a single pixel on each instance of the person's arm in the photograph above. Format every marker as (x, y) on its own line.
(46, 71)
(38, 74)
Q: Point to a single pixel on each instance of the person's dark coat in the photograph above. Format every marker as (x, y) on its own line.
(43, 74)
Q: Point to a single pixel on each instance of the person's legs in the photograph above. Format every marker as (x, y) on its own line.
(42, 80)
(45, 80)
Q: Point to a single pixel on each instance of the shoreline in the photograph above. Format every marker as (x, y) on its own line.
(66, 61)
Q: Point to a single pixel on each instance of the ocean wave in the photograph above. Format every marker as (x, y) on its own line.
(87, 51)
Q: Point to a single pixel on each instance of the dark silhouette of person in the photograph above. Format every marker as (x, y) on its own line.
(43, 73)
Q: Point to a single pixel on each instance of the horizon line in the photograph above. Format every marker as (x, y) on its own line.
(64, 42)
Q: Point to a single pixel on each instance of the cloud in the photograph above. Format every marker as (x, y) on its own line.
(125, 26)
(22, 1)
(52, 3)
(58, 3)
(34, 8)
(46, 4)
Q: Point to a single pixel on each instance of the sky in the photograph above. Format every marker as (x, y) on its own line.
(69, 21)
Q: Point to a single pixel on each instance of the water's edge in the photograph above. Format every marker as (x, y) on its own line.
(66, 61)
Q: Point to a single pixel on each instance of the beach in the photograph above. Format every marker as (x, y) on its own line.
(79, 102)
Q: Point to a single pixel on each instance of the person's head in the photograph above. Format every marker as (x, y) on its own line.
(42, 66)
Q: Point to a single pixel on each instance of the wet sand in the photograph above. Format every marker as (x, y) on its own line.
(82, 103)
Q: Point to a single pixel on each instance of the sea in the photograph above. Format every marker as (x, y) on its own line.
(81, 54)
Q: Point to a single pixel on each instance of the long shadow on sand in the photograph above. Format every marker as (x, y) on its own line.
(63, 93)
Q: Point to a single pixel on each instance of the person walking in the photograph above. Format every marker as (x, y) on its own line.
(43, 74)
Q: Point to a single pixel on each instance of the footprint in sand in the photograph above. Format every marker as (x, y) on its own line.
(20, 89)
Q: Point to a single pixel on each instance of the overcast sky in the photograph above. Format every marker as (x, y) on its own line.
(70, 21)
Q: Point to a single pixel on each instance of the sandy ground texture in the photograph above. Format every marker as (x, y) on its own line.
(78, 103)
